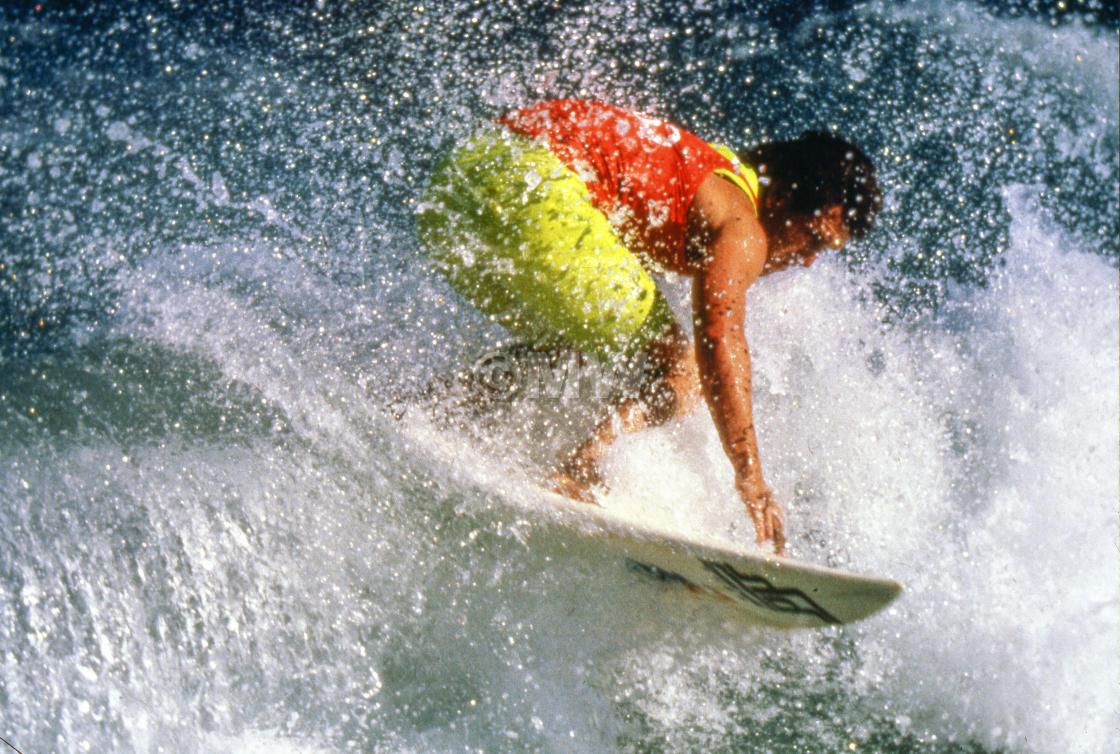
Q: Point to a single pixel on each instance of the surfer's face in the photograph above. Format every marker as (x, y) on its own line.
(797, 238)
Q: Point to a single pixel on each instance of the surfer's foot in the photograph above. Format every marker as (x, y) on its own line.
(579, 474)
(575, 486)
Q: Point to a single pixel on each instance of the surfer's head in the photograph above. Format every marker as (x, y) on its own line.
(817, 170)
(818, 191)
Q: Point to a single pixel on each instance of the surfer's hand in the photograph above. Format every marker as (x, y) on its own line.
(765, 513)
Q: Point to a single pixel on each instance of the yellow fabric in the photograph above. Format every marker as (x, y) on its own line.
(514, 231)
(744, 176)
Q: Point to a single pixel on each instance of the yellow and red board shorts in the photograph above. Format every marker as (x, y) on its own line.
(513, 230)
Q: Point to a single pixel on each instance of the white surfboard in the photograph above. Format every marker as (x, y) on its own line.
(757, 588)
(751, 586)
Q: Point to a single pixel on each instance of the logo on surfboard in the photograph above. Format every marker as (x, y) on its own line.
(759, 591)
(747, 588)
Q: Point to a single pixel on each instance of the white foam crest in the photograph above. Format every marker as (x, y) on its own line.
(274, 340)
(1031, 591)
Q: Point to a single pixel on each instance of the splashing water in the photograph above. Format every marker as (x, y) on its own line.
(215, 536)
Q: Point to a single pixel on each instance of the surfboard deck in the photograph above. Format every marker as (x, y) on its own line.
(757, 588)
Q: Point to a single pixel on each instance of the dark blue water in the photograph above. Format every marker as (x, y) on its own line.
(214, 536)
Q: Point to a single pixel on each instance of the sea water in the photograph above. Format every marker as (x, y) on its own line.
(233, 518)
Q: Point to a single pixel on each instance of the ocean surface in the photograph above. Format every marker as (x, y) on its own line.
(243, 507)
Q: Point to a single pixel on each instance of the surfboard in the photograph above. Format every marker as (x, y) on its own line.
(744, 583)
(755, 587)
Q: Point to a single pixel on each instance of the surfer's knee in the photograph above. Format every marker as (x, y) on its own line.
(667, 395)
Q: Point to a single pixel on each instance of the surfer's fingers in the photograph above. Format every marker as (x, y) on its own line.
(768, 523)
(758, 518)
(763, 511)
(779, 533)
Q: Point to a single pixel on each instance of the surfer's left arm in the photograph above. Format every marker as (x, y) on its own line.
(729, 254)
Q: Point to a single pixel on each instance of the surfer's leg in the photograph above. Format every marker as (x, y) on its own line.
(670, 388)
(672, 377)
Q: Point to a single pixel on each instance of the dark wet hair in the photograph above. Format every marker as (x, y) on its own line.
(817, 170)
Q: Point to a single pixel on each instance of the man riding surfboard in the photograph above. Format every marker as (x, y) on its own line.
(551, 218)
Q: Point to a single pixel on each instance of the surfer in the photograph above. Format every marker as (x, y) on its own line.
(551, 218)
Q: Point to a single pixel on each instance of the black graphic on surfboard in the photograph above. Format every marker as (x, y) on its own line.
(761, 592)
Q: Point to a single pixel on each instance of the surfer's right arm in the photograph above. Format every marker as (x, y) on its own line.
(728, 254)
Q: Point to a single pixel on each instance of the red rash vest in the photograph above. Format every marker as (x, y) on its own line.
(642, 172)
